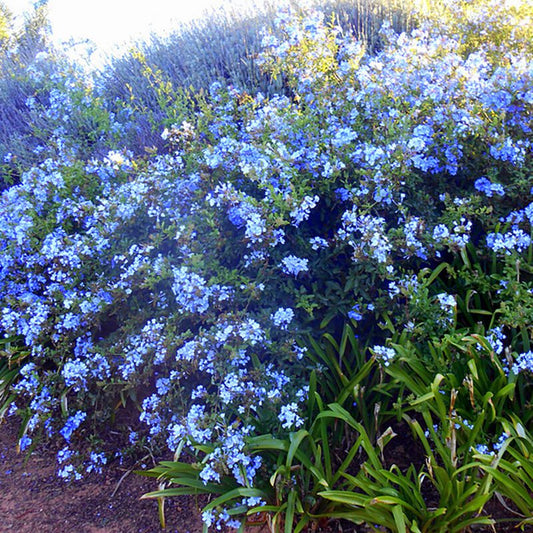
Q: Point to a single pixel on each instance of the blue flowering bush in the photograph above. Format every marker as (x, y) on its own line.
(291, 276)
(49, 109)
(20, 51)
(222, 47)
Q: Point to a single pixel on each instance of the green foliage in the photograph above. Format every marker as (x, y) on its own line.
(302, 466)
(12, 355)
(512, 470)
(350, 376)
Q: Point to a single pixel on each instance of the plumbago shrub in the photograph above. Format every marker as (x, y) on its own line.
(50, 109)
(47, 103)
(186, 282)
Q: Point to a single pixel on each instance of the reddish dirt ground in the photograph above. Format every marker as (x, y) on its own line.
(34, 500)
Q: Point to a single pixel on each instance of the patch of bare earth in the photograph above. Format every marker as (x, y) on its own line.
(34, 500)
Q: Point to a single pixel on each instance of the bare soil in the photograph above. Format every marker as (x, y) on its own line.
(34, 500)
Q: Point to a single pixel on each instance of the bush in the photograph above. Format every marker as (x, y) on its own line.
(222, 48)
(18, 53)
(389, 190)
(48, 106)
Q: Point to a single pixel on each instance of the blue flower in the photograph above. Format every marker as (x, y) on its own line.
(294, 265)
(446, 300)
(254, 501)
(289, 417)
(496, 337)
(301, 212)
(190, 290)
(484, 449)
(282, 317)
(514, 240)
(197, 424)
(488, 188)
(343, 136)
(72, 424)
(24, 442)
(440, 232)
(509, 150)
(96, 462)
(355, 313)
(209, 474)
(318, 242)
(523, 363)
(75, 373)
(68, 473)
(501, 440)
(385, 355)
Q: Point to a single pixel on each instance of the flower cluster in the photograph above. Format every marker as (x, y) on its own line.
(523, 363)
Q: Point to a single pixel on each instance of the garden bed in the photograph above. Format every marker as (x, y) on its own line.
(33, 498)
(314, 307)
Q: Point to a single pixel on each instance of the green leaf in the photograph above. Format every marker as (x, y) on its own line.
(267, 442)
(358, 378)
(350, 498)
(507, 390)
(289, 513)
(302, 524)
(177, 491)
(240, 492)
(296, 439)
(399, 519)
(348, 460)
(422, 399)
(436, 273)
